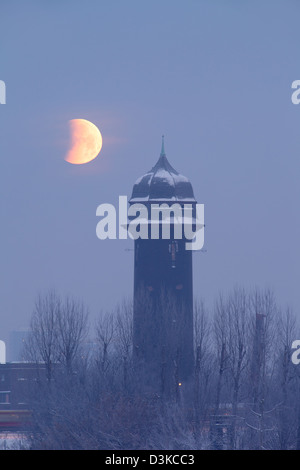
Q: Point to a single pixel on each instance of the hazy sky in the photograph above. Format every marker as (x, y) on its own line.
(213, 76)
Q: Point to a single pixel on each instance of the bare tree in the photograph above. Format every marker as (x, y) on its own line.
(42, 343)
(124, 335)
(57, 329)
(105, 335)
(220, 330)
(220, 333)
(72, 330)
(203, 361)
(263, 309)
(286, 419)
(237, 314)
(231, 335)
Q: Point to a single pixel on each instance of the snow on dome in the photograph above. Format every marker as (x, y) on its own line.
(162, 183)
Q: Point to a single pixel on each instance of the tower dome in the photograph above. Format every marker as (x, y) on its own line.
(162, 183)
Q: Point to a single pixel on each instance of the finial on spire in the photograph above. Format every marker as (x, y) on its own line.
(163, 146)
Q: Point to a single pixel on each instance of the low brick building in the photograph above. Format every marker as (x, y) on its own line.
(17, 381)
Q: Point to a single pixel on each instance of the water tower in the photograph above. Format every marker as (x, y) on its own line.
(163, 285)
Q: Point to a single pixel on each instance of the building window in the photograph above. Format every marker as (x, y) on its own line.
(4, 397)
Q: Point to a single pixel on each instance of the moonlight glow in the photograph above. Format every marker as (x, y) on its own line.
(86, 142)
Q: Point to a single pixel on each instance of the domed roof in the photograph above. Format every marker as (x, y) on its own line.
(162, 183)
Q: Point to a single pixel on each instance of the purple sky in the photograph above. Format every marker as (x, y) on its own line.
(213, 77)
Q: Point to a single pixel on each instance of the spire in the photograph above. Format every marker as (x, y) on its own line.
(162, 146)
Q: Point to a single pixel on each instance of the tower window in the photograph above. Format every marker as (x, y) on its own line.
(173, 249)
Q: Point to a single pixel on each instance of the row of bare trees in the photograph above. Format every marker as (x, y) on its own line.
(246, 384)
(58, 329)
(243, 393)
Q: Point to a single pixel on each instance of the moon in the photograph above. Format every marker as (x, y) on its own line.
(86, 142)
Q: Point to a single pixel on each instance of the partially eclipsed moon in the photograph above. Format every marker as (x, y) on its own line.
(86, 142)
